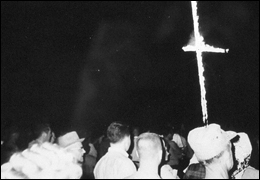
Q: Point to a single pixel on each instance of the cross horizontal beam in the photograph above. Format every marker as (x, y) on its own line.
(205, 48)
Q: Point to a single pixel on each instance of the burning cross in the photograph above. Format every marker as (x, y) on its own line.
(200, 47)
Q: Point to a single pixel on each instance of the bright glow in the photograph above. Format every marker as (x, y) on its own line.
(206, 48)
(199, 46)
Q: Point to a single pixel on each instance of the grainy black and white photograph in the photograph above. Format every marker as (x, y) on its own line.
(130, 89)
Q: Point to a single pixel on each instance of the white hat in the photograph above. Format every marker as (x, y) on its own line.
(69, 139)
(209, 141)
(243, 147)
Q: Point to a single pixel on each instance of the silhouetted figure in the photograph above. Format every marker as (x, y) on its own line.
(42, 133)
(10, 146)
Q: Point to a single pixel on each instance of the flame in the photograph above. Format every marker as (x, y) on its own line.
(197, 44)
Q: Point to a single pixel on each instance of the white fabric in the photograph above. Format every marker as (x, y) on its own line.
(115, 164)
(243, 147)
(207, 142)
(46, 161)
(179, 140)
(168, 173)
(144, 175)
(250, 173)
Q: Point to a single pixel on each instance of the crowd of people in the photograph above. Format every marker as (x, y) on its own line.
(125, 152)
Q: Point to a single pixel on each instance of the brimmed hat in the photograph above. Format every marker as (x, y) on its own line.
(69, 139)
(209, 141)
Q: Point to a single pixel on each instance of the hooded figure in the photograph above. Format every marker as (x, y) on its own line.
(243, 150)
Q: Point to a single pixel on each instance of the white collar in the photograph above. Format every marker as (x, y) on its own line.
(114, 149)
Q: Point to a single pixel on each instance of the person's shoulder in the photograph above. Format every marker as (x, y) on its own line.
(116, 158)
(126, 162)
(251, 173)
(101, 160)
(133, 176)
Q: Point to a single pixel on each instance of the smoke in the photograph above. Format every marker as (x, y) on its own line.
(115, 65)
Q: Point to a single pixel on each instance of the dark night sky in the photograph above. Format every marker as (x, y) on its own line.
(90, 63)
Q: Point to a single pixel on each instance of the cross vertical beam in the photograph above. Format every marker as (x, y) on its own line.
(199, 47)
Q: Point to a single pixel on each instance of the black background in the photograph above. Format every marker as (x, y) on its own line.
(86, 64)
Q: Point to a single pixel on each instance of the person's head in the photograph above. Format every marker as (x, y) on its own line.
(14, 136)
(72, 143)
(136, 131)
(211, 145)
(167, 133)
(225, 158)
(149, 148)
(42, 161)
(11, 135)
(118, 133)
(42, 132)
